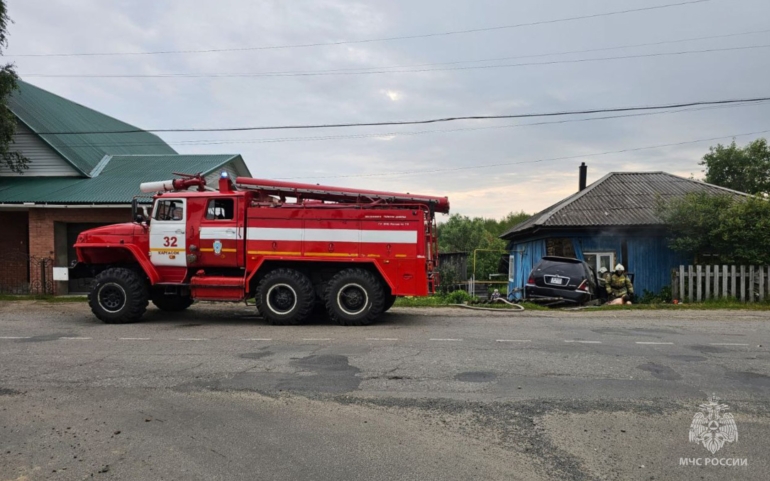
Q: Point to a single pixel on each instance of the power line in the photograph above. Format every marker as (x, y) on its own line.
(419, 122)
(552, 54)
(370, 72)
(516, 57)
(204, 142)
(382, 39)
(501, 164)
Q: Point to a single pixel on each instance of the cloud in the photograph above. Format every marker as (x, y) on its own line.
(486, 167)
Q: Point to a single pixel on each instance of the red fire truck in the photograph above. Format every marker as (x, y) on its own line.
(300, 250)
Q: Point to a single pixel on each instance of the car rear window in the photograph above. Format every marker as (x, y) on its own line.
(563, 268)
(557, 273)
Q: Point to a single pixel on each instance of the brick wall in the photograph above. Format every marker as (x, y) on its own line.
(26, 235)
(13, 251)
(41, 224)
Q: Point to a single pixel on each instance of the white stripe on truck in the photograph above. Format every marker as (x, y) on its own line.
(220, 233)
(332, 235)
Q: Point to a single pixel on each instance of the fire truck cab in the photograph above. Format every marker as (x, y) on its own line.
(299, 250)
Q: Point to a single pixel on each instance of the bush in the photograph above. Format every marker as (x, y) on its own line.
(448, 278)
(458, 297)
(664, 296)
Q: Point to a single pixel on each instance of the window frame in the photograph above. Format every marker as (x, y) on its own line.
(598, 264)
(217, 219)
(156, 209)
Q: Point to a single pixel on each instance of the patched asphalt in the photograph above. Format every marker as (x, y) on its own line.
(214, 393)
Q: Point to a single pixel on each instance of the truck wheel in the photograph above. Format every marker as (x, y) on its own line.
(389, 301)
(354, 297)
(175, 303)
(285, 297)
(118, 296)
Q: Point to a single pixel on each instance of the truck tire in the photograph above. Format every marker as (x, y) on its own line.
(354, 297)
(285, 297)
(175, 303)
(389, 301)
(118, 296)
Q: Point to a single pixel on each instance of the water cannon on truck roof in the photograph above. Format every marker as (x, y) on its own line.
(299, 250)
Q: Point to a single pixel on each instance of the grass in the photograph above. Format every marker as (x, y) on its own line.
(429, 301)
(45, 298)
(711, 304)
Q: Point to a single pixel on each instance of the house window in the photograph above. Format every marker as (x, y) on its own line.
(598, 260)
(559, 246)
(220, 209)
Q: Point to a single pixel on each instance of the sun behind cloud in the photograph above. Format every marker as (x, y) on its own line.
(393, 95)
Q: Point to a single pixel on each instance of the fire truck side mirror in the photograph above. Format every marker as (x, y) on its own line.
(136, 213)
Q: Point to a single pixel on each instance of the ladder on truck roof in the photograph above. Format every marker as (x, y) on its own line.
(338, 194)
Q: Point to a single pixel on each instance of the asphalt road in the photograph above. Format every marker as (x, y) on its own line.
(216, 394)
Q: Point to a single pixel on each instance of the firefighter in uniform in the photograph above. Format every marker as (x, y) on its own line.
(619, 287)
(603, 280)
(604, 276)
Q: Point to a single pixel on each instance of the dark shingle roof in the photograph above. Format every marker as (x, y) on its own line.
(43, 111)
(617, 199)
(116, 183)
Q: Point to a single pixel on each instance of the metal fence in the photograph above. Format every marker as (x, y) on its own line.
(26, 274)
(698, 283)
(483, 289)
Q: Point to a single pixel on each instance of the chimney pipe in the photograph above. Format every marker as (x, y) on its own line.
(583, 175)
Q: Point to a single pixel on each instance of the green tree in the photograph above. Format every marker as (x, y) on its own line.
(719, 229)
(746, 169)
(8, 83)
(464, 234)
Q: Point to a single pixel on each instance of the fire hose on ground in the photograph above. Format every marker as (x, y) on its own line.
(517, 306)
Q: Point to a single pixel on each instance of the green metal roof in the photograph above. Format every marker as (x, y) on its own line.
(43, 111)
(116, 183)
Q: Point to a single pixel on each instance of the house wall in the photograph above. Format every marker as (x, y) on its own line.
(41, 224)
(43, 160)
(649, 258)
(524, 256)
(30, 243)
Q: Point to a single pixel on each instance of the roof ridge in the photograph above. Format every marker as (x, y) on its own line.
(175, 155)
(701, 182)
(100, 166)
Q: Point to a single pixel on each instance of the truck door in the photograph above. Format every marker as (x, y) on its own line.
(221, 233)
(167, 233)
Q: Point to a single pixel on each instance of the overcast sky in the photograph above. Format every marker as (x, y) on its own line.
(358, 156)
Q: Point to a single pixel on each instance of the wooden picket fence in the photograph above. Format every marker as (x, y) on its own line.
(699, 283)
